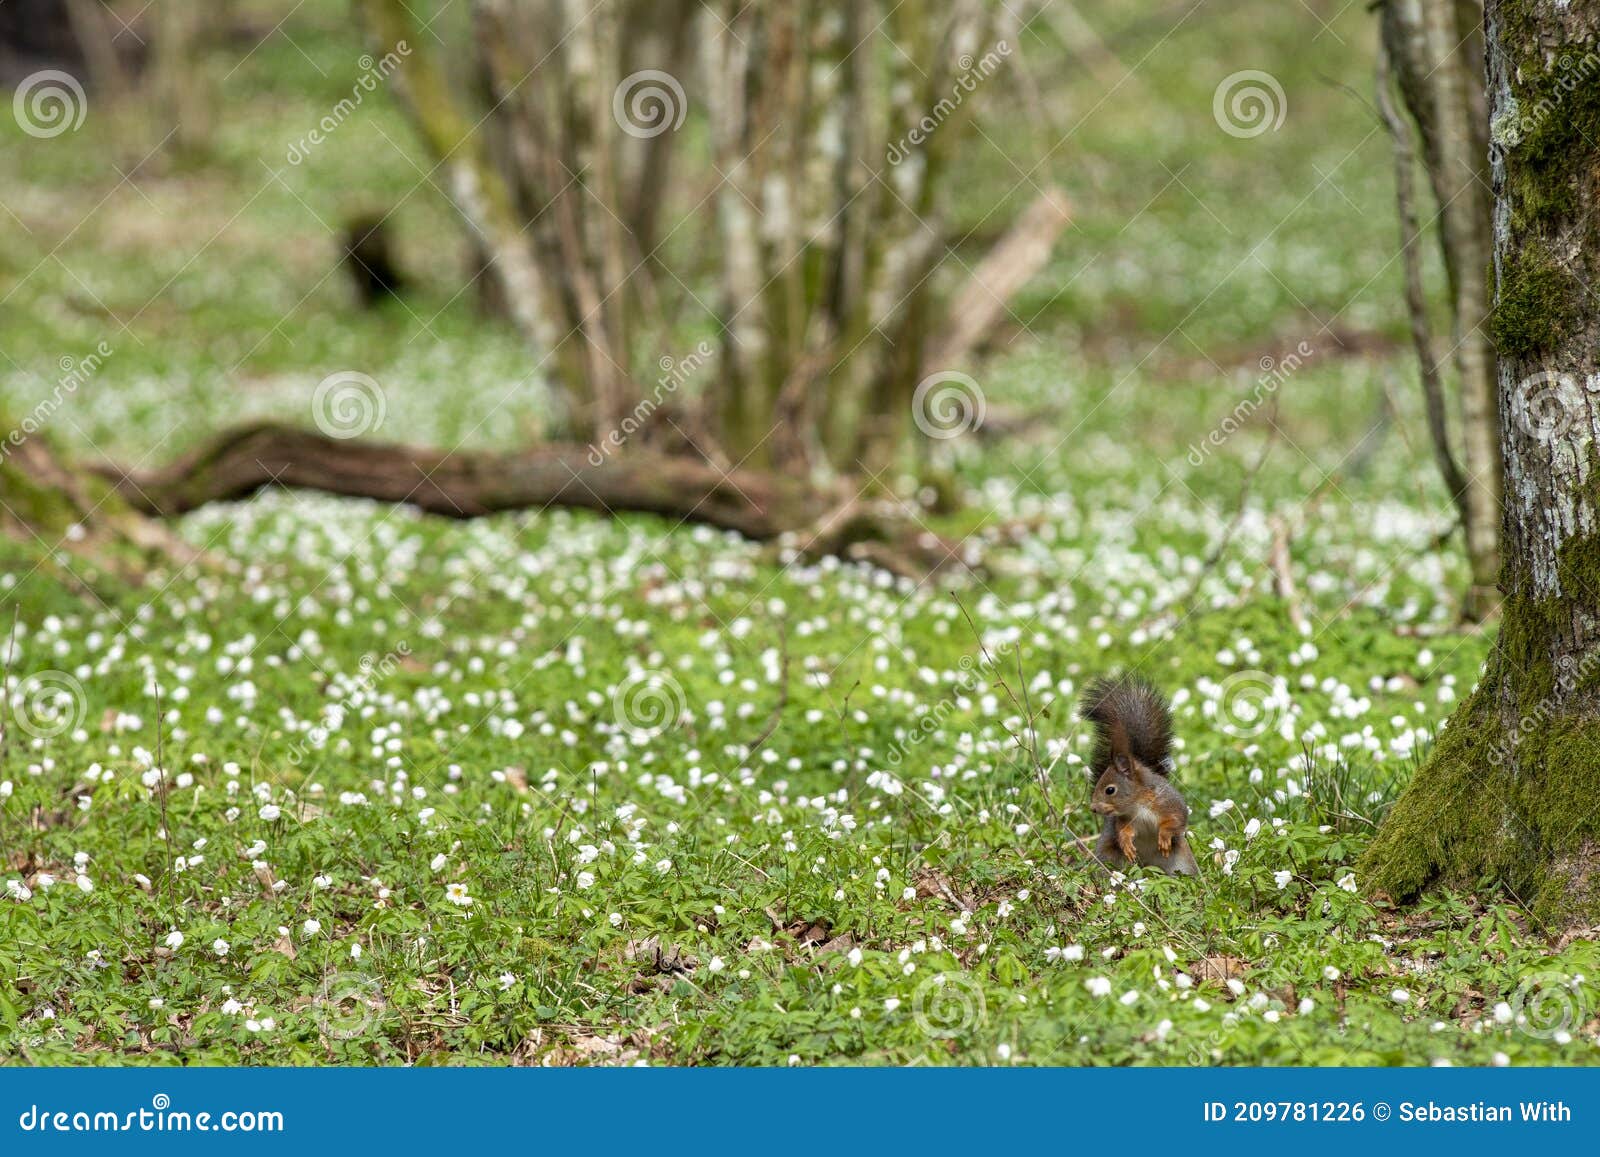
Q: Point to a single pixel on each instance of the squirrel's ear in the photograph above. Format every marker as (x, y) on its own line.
(1129, 767)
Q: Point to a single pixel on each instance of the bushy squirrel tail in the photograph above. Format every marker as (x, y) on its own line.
(1128, 708)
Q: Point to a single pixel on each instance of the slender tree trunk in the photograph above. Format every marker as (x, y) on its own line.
(1436, 52)
(1464, 213)
(1433, 395)
(181, 77)
(1511, 791)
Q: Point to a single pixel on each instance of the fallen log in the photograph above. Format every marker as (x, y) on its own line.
(761, 506)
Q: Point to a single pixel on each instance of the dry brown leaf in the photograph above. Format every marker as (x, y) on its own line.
(1220, 968)
(263, 873)
(840, 943)
(815, 933)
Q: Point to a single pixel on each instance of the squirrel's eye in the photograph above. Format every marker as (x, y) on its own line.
(1111, 789)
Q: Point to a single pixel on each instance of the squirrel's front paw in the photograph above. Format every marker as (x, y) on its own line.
(1164, 843)
(1125, 842)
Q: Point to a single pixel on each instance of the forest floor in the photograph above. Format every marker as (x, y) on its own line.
(486, 792)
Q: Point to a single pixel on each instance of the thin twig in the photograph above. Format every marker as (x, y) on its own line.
(1416, 299)
(1283, 575)
(161, 794)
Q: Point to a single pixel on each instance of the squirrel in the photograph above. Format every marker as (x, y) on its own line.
(1145, 817)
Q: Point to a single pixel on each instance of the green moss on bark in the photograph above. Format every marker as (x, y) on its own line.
(1552, 129)
(1548, 134)
(1537, 304)
(1511, 802)
(45, 509)
(51, 511)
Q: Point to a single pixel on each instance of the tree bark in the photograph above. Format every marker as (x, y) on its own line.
(1464, 212)
(1433, 396)
(1511, 791)
(1436, 52)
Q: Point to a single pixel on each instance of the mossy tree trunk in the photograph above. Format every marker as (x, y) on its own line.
(1511, 793)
